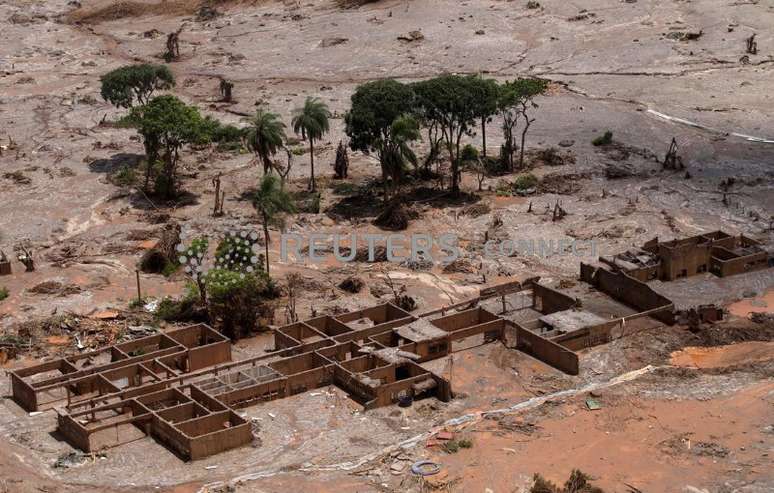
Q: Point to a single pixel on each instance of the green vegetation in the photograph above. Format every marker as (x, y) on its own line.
(124, 177)
(453, 446)
(604, 139)
(311, 121)
(166, 125)
(235, 253)
(450, 102)
(525, 182)
(271, 201)
(4, 293)
(234, 299)
(380, 121)
(124, 86)
(515, 100)
(172, 310)
(265, 136)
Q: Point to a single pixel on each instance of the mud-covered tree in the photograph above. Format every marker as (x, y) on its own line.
(377, 111)
(487, 92)
(450, 101)
(311, 121)
(516, 99)
(271, 202)
(265, 137)
(135, 84)
(169, 124)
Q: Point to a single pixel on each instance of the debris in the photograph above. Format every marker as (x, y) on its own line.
(352, 284)
(425, 468)
(751, 45)
(593, 404)
(412, 36)
(328, 42)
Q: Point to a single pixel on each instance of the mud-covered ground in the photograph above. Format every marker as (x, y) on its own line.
(616, 65)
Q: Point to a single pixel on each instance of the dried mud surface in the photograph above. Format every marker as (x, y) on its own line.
(705, 426)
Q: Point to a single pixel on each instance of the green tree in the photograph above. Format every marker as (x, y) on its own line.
(451, 102)
(396, 152)
(265, 136)
(123, 86)
(235, 299)
(271, 201)
(169, 124)
(376, 113)
(487, 92)
(311, 122)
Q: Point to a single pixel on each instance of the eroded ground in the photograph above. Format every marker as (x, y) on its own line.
(618, 69)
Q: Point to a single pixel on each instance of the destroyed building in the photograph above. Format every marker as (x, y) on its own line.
(717, 252)
(182, 388)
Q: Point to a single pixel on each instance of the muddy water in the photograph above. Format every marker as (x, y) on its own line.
(759, 304)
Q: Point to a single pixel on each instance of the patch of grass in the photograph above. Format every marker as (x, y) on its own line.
(298, 151)
(604, 139)
(125, 177)
(4, 293)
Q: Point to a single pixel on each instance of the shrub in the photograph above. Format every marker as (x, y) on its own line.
(170, 309)
(124, 177)
(235, 298)
(236, 254)
(525, 182)
(532, 4)
(3, 293)
(604, 139)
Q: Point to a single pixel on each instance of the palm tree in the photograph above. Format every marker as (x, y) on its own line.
(396, 151)
(270, 201)
(265, 136)
(311, 121)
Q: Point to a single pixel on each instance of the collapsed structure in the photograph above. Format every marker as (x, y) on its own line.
(182, 388)
(717, 252)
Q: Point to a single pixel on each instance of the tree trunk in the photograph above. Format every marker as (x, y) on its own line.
(312, 185)
(150, 158)
(523, 138)
(483, 136)
(169, 172)
(266, 240)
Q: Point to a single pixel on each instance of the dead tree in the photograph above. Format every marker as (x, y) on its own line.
(293, 284)
(5, 264)
(225, 90)
(672, 160)
(219, 196)
(752, 45)
(341, 166)
(173, 45)
(559, 212)
(24, 255)
(285, 172)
